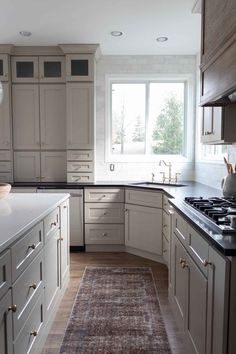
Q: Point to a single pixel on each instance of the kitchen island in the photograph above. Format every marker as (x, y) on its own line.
(34, 267)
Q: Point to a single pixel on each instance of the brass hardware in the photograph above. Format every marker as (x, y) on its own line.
(165, 225)
(33, 246)
(61, 239)
(12, 308)
(206, 263)
(53, 224)
(104, 196)
(164, 251)
(181, 260)
(104, 234)
(105, 213)
(184, 264)
(33, 286)
(65, 206)
(34, 333)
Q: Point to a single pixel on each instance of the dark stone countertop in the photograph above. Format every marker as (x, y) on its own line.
(226, 244)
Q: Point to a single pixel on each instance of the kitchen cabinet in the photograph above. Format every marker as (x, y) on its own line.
(198, 289)
(33, 166)
(26, 126)
(4, 67)
(5, 118)
(35, 69)
(64, 242)
(51, 69)
(39, 117)
(218, 125)
(80, 116)
(51, 264)
(218, 50)
(24, 69)
(80, 67)
(6, 333)
(53, 117)
(104, 216)
(143, 228)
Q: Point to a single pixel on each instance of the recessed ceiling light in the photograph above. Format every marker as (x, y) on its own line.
(117, 33)
(162, 39)
(25, 33)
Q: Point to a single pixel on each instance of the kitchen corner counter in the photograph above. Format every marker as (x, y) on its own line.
(19, 212)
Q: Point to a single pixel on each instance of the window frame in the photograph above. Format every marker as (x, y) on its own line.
(189, 117)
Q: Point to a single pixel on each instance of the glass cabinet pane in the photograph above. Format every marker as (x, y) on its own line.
(79, 67)
(25, 69)
(52, 69)
(1, 67)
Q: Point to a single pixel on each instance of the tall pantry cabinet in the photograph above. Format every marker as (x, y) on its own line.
(47, 113)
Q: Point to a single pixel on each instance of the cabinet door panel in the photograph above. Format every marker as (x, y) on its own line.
(27, 166)
(53, 117)
(80, 116)
(25, 69)
(5, 118)
(52, 69)
(53, 166)
(143, 228)
(25, 100)
(52, 272)
(80, 67)
(197, 307)
(6, 335)
(4, 67)
(64, 241)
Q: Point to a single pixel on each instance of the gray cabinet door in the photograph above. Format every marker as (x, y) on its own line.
(6, 335)
(5, 118)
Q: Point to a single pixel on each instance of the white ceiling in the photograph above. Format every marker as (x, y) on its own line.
(91, 21)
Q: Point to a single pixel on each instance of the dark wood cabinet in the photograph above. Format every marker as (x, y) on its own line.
(218, 51)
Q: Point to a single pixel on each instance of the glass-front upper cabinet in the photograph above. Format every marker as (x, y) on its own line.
(52, 69)
(25, 69)
(4, 67)
(80, 67)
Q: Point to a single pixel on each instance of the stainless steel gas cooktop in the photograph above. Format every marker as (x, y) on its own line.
(220, 211)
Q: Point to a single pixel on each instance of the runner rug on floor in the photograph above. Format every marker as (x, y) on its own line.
(116, 311)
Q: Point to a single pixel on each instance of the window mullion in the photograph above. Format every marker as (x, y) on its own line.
(147, 117)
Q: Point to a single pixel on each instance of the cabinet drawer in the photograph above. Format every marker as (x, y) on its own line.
(150, 199)
(166, 250)
(80, 155)
(5, 272)
(30, 333)
(80, 177)
(103, 213)
(198, 249)
(51, 223)
(104, 234)
(180, 228)
(166, 225)
(114, 195)
(5, 155)
(74, 166)
(24, 251)
(5, 166)
(26, 290)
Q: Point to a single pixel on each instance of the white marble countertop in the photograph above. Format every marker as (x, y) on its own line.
(20, 211)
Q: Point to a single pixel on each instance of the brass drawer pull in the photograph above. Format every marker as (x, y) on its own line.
(34, 333)
(33, 246)
(206, 263)
(33, 286)
(12, 308)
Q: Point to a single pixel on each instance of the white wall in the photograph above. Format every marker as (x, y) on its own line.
(141, 65)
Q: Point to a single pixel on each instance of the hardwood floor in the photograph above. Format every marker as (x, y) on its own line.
(78, 263)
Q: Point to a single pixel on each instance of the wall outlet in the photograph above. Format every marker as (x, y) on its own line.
(112, 167)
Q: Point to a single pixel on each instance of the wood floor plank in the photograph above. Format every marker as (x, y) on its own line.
(79, 261)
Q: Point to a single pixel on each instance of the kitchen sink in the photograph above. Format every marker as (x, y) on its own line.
(158, 184)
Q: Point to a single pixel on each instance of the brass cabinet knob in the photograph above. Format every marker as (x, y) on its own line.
(34, 333)
(53, 224)
(33, 286)
(33, 246)
(12, 308)
(164, 251)
(104, 234)
(165, 225)
(61, 239)
(184, 265)
(181, 260)
(206, 263)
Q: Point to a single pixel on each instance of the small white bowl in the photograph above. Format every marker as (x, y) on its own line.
(4, 189)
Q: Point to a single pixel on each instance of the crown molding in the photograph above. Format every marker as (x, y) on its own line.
(81, 49)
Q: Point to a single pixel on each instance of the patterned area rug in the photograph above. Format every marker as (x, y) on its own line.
(116, 311)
